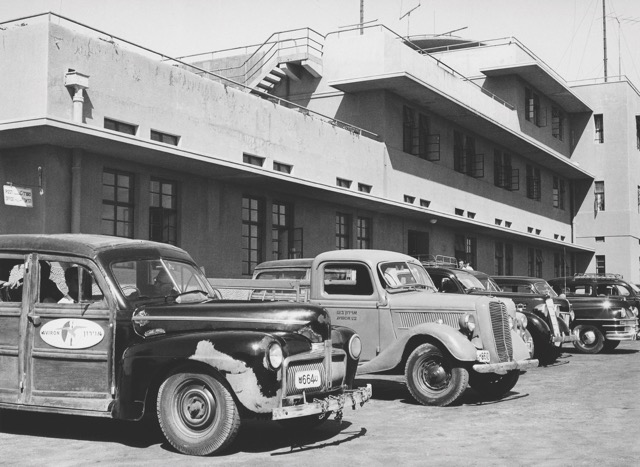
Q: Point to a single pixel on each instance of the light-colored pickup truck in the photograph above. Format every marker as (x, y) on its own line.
(441, 342)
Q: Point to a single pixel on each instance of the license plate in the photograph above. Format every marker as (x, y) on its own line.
(307, 379)
(483, 356)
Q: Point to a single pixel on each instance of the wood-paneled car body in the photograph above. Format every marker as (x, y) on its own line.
(601, 321)
(112, 327)
(547, 316)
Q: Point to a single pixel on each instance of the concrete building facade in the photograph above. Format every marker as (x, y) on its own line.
(359, 139)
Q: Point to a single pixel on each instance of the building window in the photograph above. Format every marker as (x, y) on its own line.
(533, 183)
(252, 233)
(163, 211)
(465, 158)
(343, 182)
(532, 106)
(281, 230)
(253, 160)
(558, 193)
(599, 128)
(465, 249)
(120, 126)
(418, 244)
(535, 262)
(343, 231)
(508, 259)
(363, 232)
(504, 176)
(559, 265)
(408, 129)
(598, 192)
(282, 167)
(557, 123)
(164, 138)
(364, 188)
(498, 261)
(601, 266)
(117, 203)
(409, 199)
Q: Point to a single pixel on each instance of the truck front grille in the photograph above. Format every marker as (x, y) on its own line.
(411, 319)
(306, 365)
(501, 331)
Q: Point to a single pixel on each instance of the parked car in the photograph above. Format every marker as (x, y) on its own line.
(547, 315)
(600, 322)
(112, 327)
(439, 342)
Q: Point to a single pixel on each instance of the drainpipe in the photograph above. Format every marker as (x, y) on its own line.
(77, 83)
(76, 194)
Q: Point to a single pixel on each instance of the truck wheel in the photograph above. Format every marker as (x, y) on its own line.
(608, 346)
(434, 378)
(492, 386)
(197, 414)
(590, 339)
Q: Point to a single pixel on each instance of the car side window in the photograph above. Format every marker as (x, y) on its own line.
(11, 278)
(347, 279)
(67, 283)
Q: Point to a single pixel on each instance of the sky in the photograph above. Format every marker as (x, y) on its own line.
(566, 34)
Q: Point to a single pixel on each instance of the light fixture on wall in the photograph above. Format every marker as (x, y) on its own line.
(433, 221)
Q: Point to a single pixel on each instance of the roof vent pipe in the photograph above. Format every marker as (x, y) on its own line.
(76, 83)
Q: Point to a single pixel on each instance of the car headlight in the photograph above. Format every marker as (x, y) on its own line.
(275, 356)
(523, 321)
(621, 313)
(468, 323)
(634, 310)
(355, 347)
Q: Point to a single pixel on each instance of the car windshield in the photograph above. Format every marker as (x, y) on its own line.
(400, 274)
(544, 288)
(469, 281)
(161, 278)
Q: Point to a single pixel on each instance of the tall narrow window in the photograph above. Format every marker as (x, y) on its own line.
(363, 232)
(508, 259)
(535, 262)
(343, 231)
(601, 266)
(418, 243)
(638, 132)
(498, 262)
(559, 264)
(163, 211)
(117, 203)
(281, 231)
(252, 233)
(532, 106)
(598, 202)
(465, 249)
(598, 123)
(558, 192)
(533, 182)
(423, 136)
(557, 123)
(408, 129)
(459, 156)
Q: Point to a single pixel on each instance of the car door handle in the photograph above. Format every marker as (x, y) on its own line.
(35, 320)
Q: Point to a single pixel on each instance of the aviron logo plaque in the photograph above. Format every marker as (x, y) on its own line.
(69, 333)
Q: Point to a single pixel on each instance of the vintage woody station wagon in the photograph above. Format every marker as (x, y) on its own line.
(111, 327)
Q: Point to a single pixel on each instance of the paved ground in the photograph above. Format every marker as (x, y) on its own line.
(583, 410)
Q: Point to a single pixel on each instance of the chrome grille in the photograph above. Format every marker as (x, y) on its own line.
(410, 319)
(501, 331)
(305, 365)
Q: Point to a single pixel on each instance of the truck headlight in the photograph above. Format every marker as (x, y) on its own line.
(468, 323)
(275, 356)
(355, 347)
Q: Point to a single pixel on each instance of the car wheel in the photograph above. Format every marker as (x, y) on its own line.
(492, 386)
(434, 378)
(197, 413)
(610, 345)
(590, 339)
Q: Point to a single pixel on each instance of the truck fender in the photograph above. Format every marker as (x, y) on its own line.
(451, 339)
(236, 356)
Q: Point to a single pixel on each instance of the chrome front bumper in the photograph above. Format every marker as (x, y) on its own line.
(353, 398)
(563, 339)
(503, 368)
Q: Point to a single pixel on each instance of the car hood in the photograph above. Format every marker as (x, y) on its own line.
(424, 300)
(151, 319)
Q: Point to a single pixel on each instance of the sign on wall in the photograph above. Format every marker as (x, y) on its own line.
(18, 196)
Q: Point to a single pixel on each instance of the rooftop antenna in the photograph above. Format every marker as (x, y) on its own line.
(408, 15)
